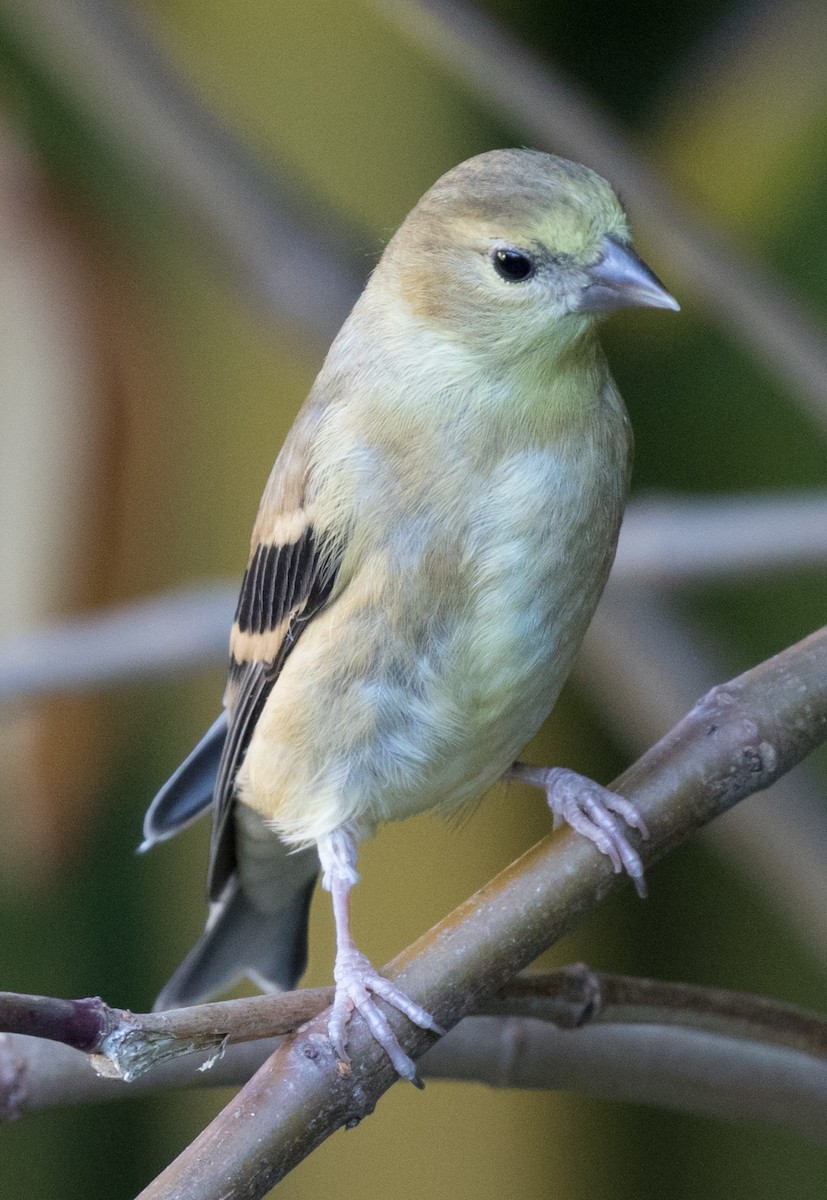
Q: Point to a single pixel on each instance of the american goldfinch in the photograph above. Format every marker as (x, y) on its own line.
(429, 550)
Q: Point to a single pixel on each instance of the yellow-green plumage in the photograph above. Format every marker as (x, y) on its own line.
(477, 488)
(429, 550)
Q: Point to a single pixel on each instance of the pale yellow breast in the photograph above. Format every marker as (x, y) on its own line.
(459, 614)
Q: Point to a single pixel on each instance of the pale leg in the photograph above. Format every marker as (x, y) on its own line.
(354, 975)
(593, 811)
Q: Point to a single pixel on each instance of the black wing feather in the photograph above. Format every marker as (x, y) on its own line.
(282, 582)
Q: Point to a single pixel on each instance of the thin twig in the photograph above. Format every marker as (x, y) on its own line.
(647, 1063)
(736, 740)
(577, 996)
(125, 1045)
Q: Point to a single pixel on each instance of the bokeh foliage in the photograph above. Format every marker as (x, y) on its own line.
(339, 104)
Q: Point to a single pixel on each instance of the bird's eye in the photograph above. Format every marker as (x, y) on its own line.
(513, 265)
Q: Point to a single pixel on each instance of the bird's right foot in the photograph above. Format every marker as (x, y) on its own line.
(357, 982)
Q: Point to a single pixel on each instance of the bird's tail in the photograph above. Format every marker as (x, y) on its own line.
(258, 926)
(188, 792)
(240, 940)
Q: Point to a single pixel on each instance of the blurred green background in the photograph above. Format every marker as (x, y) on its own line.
(144, 396)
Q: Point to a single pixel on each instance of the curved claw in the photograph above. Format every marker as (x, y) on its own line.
(356, 979)
(625, 809)
(593, 811)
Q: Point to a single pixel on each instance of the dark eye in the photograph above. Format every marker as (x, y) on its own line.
(513, 265)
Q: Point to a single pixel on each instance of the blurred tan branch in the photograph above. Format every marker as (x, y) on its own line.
(736, 740)
(643, 1064)
(282, 250)
(665, 541)
(162, 635)
(670, 541)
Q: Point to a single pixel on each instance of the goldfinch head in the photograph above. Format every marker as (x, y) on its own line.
(515, 245)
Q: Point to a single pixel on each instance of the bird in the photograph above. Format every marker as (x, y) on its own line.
(429, 550)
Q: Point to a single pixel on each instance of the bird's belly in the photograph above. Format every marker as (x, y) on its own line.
(505, 677)
(402, 725)
(409, 694)
(418, 726)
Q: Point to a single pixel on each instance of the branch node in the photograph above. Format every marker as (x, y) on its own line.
(584, 995)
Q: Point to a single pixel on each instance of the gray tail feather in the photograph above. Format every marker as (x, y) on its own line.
(188, 792)
(270, 948)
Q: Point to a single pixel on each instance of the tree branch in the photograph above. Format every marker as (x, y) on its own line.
(707, 1051)
(643, 664)
(673, 540)
(125, 1045)
(683, 1069)
(736, 740)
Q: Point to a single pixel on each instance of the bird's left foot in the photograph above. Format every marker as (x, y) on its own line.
(357, 981)
(592, 811)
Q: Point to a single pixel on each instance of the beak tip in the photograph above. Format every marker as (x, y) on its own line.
(621, 279)
(668, 302)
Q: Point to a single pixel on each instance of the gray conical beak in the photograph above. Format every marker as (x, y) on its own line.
(621, 279)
